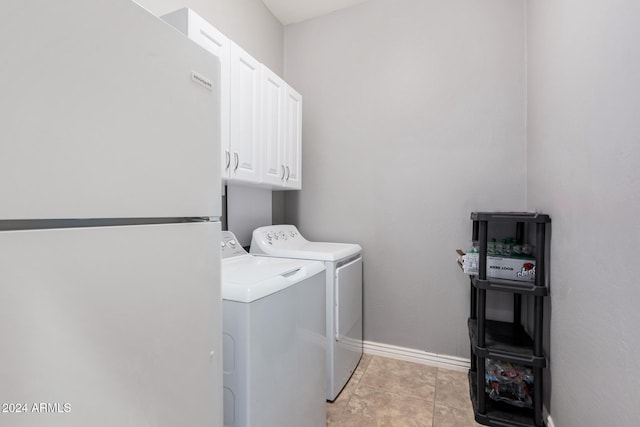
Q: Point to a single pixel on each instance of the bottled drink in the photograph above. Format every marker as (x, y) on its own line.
(491, 247)
(506, 247)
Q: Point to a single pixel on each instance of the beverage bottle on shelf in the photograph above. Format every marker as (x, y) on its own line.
(506, 247)
(492, 247)
(517, 249)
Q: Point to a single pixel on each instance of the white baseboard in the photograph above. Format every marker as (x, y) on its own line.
(546, 416)
(416, 356)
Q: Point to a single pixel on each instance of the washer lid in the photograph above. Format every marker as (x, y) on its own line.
(247, 278)
(285, 241)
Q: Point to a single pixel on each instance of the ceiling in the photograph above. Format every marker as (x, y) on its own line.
(292, 11)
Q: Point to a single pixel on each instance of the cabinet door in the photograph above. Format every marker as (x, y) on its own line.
(293, 139)
(245, 116)
(272, 130)
(218, 44)
(209, 38)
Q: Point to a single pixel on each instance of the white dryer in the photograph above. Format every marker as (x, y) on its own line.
(343, 262)
(273, 339)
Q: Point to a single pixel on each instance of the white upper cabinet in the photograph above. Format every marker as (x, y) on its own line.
(293, 138)
(204, 34)
(261, 116)
(245, 116)
(281, 132)
(272, 130)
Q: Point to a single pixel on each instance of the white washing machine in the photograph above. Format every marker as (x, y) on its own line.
(274, 343)
(343, 294)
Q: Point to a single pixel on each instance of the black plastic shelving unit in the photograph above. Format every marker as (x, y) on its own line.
(507, 341)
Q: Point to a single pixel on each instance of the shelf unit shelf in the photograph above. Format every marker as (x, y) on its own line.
(531, 217)
(513, 286)
(507, 341)
(497, 413)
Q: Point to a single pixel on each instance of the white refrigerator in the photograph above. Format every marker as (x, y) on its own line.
(110, 308)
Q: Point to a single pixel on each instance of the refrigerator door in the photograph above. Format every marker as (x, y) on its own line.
(113, 326)
(107, 112)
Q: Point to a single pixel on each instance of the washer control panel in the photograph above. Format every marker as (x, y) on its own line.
(279, 235)
(229, 245)
(286, 241)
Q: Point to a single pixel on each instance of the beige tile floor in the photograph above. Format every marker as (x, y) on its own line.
(393, 393)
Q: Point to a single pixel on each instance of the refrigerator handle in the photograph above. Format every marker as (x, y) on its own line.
(237, 158)
(228, 154)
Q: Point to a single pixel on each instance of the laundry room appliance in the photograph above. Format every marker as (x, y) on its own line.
(110, 305)
(273, 339)
(343, 262)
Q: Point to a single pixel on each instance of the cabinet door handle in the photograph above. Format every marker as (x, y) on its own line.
(237, 158)
(228, 154)
(283, 172)
(288, 173)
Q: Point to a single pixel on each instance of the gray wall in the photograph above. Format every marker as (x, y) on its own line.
(413, 117)
(247, 22)
(583, 155)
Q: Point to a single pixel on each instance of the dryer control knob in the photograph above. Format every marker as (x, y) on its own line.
(232, 243)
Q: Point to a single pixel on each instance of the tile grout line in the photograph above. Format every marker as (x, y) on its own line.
(389, 391)
(406, 396)
(356, 385)
(435, 397)
(433, 402)
(346, 404)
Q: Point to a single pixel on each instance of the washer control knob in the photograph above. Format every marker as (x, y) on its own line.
(292, 233)
(223, 244)
(269, 236)
(232, 244)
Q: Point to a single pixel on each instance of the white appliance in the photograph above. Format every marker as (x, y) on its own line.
(343, 262)
(274, 340)
(110, 305)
